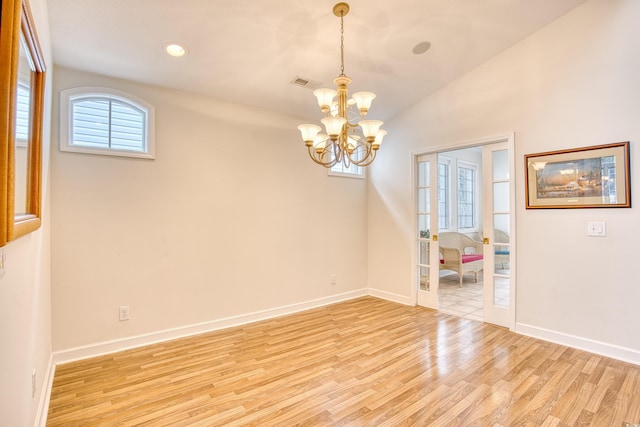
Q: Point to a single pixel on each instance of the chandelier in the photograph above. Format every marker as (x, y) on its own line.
(350, 142)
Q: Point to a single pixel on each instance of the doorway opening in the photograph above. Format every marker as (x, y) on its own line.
(459, 211)
(464, 201)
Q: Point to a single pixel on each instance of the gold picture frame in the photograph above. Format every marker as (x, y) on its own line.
(22, 73)
(587, 177)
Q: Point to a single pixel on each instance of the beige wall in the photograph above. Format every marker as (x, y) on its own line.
(25, 304)
(574, 83)
(230, 218)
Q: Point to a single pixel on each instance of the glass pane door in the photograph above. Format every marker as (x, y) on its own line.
(428, 267)
(498, 291)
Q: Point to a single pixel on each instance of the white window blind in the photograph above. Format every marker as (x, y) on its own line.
(22, 113)
(106, 121)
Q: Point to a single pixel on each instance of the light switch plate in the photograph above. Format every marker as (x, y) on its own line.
(597, 229)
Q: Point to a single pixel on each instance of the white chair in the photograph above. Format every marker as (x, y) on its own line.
(460, 253)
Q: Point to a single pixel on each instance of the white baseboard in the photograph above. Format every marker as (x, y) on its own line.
(604, 349)
(45, 396)
(98, 349)
(400, 299)
(106, 347)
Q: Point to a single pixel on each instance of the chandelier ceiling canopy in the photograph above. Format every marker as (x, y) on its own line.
(348, 141)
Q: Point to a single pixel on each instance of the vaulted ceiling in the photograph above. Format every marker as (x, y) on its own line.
(249, 51)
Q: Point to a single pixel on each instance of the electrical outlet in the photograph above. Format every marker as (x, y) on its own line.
(124, 313)
(33, 384)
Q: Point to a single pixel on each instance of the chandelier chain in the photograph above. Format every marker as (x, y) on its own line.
(342, 44)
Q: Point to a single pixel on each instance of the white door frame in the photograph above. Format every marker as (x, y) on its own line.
(509, 139)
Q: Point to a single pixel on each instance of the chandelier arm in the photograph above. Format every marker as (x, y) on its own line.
(367, 160)
(353, 156)
(317, 157)
(320, 162)
(337, 151)
(346, 158)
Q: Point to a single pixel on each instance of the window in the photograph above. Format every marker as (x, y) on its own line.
(444, 199)
(22, 114)
(340, 170)
(106, 121)
(352, 171)
(467, 194)
(608, 175)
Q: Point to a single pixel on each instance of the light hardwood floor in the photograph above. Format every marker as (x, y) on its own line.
(364, 362)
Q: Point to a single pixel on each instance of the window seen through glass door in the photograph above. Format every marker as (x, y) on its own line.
(444, 204)
(466, 197)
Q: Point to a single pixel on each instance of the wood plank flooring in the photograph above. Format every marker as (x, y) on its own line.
(365, 362)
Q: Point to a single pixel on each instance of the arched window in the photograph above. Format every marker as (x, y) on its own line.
(106, 121)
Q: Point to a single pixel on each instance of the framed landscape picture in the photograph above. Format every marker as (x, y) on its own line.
(588, 177)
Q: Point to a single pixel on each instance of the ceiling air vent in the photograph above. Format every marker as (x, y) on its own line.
(302, 82)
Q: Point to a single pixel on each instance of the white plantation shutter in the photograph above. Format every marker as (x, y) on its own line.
(22, 114)
(106, 123)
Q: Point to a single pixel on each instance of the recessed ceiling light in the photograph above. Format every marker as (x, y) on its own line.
(175, 49)
(421, 47)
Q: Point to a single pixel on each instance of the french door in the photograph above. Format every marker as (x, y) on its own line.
(497, 235)
(496, 230)
(427, 221)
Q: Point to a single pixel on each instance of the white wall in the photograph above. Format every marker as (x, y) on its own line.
(25, 301)
(231, 218)
(574, 83)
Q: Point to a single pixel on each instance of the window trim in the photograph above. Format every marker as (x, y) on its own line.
(67, 96)
(348, 174)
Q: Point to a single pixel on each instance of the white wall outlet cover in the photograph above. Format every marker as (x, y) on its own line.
(124, 312)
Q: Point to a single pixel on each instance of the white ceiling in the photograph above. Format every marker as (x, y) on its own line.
(249, 51)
